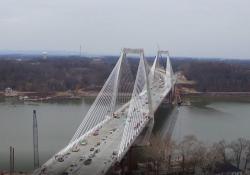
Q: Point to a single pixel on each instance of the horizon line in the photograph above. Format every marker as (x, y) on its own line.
(87, 54)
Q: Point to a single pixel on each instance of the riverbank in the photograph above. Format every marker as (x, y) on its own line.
(42, 96)
(187, 87)
(187, 98)
(217, 94)
(15, 173)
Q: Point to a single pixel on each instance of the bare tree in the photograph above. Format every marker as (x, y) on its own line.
(247, 155)
(209, 161)
(186, 148)
(238, 147)
(219, 150)
(159, 150)
(198, 156)
(194, 154)
(157, 147)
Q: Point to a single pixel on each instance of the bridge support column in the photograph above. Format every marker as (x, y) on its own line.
(149, 131)
(170, 97)
(144, 140)
(173, 93)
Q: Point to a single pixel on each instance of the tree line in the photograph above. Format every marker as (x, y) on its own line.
(72, 73)
(216, 75)
(54, 75)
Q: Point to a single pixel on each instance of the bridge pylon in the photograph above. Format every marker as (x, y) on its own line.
(139, 112)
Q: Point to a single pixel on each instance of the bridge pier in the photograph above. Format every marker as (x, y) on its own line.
(170, 98)
(125, 166)
(172, 95)
(144, 138)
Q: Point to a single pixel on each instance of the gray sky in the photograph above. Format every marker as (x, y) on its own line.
(206, 28)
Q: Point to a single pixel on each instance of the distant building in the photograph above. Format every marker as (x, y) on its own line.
(226, 169)
(45, 55)
(9, 92)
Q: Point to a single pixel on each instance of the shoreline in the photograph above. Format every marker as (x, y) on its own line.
(42, 96)
(38, 96)
(5, 172)
(217, 94)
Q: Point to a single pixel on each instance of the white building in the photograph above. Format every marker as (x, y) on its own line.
(9, 92)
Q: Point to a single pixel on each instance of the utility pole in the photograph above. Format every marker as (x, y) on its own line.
(80, 50)
(12, 160)
(35, 140)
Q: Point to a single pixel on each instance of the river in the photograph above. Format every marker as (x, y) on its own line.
(210, 119)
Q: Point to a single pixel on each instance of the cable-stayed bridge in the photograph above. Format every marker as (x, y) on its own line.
(124, 107)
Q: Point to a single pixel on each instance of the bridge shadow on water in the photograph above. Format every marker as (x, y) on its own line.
(161, 117)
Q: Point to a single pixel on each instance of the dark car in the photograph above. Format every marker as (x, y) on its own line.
(87, 162)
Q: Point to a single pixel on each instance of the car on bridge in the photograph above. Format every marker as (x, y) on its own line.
(88, 161)
(98, 143)
(83, 142)
(96, 133)
(115, 115)
(82, 158)
(97, 151)
(114, 153)
(75, 149)
(59, 158)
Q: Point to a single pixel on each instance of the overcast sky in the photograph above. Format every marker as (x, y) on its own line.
(200, 28)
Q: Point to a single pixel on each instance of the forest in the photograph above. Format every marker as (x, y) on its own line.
(72, 73)
(216, 75)
(53, 74)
